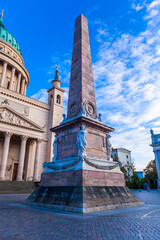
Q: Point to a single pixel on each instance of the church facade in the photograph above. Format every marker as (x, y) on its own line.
(25, 137)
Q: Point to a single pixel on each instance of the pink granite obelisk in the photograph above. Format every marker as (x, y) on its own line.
(81, 89)
(82, 176)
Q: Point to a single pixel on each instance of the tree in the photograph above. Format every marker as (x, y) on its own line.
(131, 177)
(151, 174)
(127, 169)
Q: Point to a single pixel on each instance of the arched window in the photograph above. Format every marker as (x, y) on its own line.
(58, 100)
(51, 100)
(8, 85)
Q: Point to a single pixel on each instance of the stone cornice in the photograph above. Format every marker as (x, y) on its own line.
(82, 120)
(13, 49)
(59, 89)
(24, 98)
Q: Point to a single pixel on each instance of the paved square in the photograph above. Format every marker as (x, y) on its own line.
(22, 222)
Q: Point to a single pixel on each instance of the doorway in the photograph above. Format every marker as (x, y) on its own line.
(15, 170)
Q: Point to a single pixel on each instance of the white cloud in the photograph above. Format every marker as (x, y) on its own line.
(41, 95)
(138, 6)
(127, 75)
(154, 4)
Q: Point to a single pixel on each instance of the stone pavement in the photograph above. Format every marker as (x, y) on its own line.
(23, 222)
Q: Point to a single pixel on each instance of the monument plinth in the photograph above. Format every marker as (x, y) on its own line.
(82, 176)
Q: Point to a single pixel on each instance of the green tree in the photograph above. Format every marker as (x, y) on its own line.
(151, 174)
(131, 177)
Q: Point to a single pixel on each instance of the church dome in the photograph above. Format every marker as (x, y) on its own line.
(7, 36)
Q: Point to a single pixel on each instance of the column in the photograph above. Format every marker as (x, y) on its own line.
(156, 151)
(12, 78)
(36, 163)
(21, 157)
(25, 88)
(22, 86)
(31, 158)
(5, 155)
(18, 82)
(3, 74)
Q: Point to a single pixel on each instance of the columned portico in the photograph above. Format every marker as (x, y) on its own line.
(3, 74)
(21, 157)
(5, 155)
(36, 164)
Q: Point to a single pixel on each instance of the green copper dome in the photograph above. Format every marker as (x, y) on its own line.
(7, 36)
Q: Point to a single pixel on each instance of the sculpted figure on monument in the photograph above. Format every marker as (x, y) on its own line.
(55, 148)
(152, 133)
(81, 139)
(109, 147)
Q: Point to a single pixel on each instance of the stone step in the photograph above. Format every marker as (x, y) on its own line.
(17, 187)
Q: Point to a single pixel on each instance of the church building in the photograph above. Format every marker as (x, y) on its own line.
(25, 137)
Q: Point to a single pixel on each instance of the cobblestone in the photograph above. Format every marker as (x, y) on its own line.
(18, 222)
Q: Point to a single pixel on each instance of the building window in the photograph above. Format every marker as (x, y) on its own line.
(126, 156)
(58, 100)
(51, 100)
(8, 85)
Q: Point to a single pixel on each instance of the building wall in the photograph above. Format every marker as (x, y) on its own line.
(123, 155)
(41, 114)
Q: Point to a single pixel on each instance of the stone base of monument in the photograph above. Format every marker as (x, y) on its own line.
(82, 185)
(83, 199)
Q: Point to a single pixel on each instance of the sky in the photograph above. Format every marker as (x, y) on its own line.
(125, 50)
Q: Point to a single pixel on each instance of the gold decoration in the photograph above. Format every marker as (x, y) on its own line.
(2, 12)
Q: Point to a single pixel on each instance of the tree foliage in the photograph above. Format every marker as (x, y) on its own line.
(151, 174)
(133, 181)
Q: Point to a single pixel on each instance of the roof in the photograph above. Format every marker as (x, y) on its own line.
(123, 149)
(7, 36)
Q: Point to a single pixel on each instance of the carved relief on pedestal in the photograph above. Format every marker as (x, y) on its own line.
(74, 109)
(90, 108)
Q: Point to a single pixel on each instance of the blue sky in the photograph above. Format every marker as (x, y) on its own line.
(125, 49)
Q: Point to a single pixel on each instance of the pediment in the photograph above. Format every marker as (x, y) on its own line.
(10, 116)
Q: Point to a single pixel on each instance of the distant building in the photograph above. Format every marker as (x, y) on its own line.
(140, 174)
(123, 154)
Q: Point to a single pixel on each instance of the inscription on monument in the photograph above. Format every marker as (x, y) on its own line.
(98, 141)
(68, 139)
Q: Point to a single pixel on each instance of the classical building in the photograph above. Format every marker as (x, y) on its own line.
(25, 138)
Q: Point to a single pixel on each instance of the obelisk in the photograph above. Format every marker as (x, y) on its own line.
(81, 89)
(82, 176)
